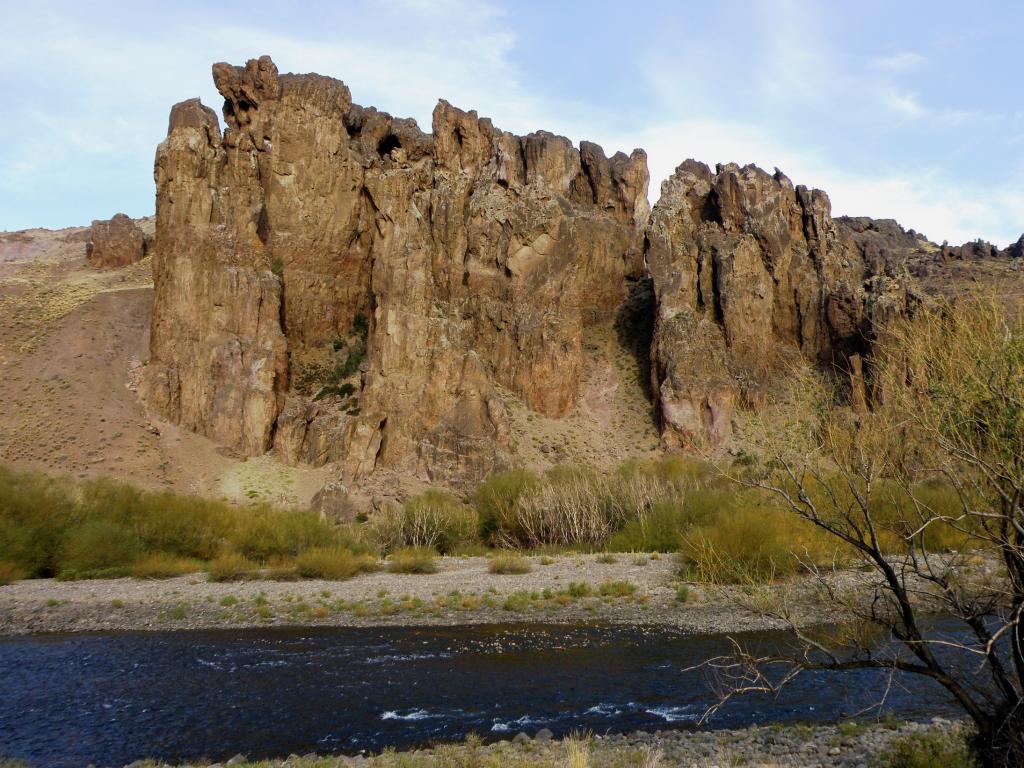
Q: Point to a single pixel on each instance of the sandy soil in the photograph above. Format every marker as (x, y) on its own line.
(463, 591)
(73, 341)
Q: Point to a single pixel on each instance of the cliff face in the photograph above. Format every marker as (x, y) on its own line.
(750, 271)
(333, 283)
(336, 285)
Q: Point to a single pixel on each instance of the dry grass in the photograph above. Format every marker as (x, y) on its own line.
(509, 563)
(160, 565)
(434, 519)
(231, 566)
(336, 563)
(577, 750)
(9, 573)
(413, 560)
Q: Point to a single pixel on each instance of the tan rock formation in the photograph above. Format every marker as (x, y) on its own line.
(749, 271)
(335, 283)
(115, 242)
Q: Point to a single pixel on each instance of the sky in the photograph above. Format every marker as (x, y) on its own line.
(908, 110)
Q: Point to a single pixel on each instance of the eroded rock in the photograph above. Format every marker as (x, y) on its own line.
(751, 272)
(401, 278)
(115, 242)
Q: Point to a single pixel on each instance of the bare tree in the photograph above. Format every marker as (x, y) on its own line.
(927, 490)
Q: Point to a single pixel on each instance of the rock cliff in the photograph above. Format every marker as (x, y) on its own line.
(750, 271)
(116, 242)
(335, 284)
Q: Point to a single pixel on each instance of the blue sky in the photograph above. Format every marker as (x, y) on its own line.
(909, 110)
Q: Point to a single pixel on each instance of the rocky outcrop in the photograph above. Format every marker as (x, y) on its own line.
(338, 285)
(116, 242)
(750, 271)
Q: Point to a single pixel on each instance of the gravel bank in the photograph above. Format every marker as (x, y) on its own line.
(847, 746)
(639, 589)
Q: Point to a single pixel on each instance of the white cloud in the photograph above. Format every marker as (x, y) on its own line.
(111, 94)
(925, 200)
(899, 62)
(904, 103)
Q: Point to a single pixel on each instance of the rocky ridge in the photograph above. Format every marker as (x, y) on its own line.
(338, 286)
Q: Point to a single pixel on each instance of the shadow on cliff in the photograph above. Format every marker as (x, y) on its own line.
(634, 332)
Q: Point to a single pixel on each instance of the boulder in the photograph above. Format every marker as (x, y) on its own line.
(116, 242)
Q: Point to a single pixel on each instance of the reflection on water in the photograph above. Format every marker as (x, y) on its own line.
(68, 700)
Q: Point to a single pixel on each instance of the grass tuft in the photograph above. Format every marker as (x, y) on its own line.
(335, 563)
(509, 563)
(231, 566)
(160, 565)
(413, 560)
(9, 573)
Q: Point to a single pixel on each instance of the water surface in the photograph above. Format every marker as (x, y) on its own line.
(108, 699)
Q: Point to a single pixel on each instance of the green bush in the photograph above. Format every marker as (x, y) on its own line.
(35, 513)
(52, 527)
(617, 589)
(333, 563)
(509, 563)
(160, 565)
(412, 560)
(496, 498)
(929, 750)
(9, 573)
(97, 547)
(434, 519)
(231, 566)
(753, 541)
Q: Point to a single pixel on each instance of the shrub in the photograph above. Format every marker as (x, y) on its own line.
(755, 542)
(9, 573)
(509, 563)
(518, 601)
(412, 560)
(607, 558)
(333, 563)
(925, 750)
(579, 589)
(160, 565)
(35, 512)
(230, 566)
(496, 499)
(617, 589)
(433, 519)
(95, 548)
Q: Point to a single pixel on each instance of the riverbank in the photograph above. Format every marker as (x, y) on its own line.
(847, 745)
(624, 588)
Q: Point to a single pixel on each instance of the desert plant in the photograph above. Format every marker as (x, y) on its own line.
(231, 566)
(412, 560)
(433, 519)
(617, 589)
(927, 750)
(496, 499)
(160, 565)
(9, 573)
(577, 750)
(96, 547)
(333, 563)
(952, 411)
(509, 563)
